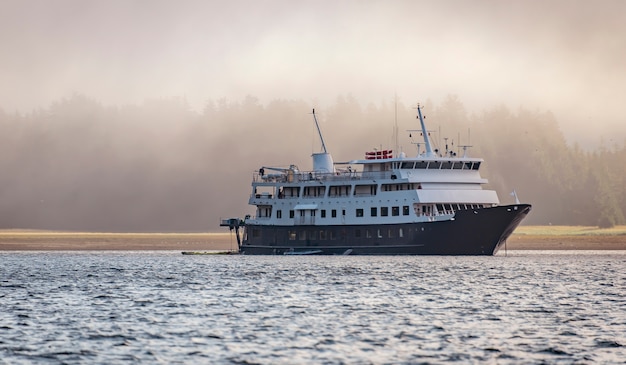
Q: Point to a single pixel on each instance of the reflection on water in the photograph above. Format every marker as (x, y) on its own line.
(110, 307)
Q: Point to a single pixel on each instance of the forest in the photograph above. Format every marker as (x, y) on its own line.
(162, 166)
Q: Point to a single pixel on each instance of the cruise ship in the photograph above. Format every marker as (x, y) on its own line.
(382, 204)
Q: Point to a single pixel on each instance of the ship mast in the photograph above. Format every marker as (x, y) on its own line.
(319, 131)
(429, 150)
(323, 161)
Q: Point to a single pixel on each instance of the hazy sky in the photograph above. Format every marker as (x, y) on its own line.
(556, 55)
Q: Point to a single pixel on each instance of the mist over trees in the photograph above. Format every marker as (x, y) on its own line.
(161, 166)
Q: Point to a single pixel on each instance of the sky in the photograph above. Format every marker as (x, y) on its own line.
(565, 56)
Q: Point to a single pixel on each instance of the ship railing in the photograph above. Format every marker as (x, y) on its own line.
(320, 176)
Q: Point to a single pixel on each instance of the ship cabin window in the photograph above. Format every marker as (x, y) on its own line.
(333, 213)
(332, 235)
(368, 233)
(391, 233)
(364, 190)
(312, 235)
(323, 213)
(457, 165)
(395, 211)
(446, 165)
(357, 233)
(399, 187)
(359, 212)
(407, 165)
(339, 190)
(264, 211)
(302, 213)
(424, 209)
(302, 235)
(421, 164)
(292, 235)
(400, 233)
(314, 191)
(289, 192)
(405, 210)
(434, 165)
(384, 211)
(279, 214)
(476, 165)
(323, 235)
(343, 212)
(292, 214)
(379, 234)
(374, 211)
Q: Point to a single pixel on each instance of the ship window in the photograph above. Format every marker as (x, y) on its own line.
(292, 214)
(323, 235)
(476, 165)
(323, 213)
(407, 165)
(343, 212)
(391, 233)
(446, 165)
(279, 214)
(332, 235)
(395, 211)
(368, 234)
(405, 210)
(302, 213)
(374, 211)
(467, 166)
(292, 235)
(359, 212)
(457, 165)
(384, 211)
(434, 165)
(421, 164)
(312, 235)
(357, 233)
(302, 235)
(400, 232)
(378, 234)
(333, 213)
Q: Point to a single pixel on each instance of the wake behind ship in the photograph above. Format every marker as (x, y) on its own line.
(383, 204)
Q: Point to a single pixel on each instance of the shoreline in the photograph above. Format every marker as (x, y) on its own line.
(36, 240)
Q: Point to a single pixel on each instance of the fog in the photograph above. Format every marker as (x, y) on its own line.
(565, 56)
(192, 58)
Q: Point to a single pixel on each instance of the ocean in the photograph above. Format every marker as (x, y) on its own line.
(550, 307)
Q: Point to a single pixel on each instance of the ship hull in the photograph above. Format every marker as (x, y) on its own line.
(471, 232)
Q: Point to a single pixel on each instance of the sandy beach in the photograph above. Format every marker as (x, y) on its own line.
(525, 238)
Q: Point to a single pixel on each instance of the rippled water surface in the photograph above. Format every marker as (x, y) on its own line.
(163, 307)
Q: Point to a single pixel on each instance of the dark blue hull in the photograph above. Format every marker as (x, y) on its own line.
(471, 232)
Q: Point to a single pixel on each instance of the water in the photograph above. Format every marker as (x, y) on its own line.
(163, 307)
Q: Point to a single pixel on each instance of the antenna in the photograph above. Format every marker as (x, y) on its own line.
(395, 132)
(319, 131)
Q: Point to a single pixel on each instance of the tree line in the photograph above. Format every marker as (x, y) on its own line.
(161, 166)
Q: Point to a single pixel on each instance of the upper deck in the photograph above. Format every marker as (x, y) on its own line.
(427, 169)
